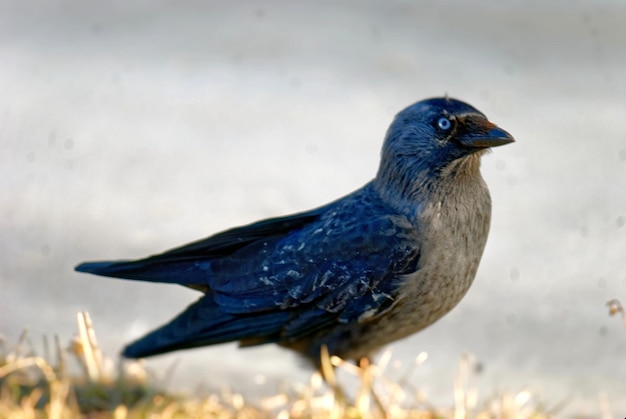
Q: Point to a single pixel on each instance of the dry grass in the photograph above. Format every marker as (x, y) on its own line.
(33, 386)
(616, 309)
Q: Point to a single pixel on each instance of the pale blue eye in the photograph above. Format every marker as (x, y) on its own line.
(444, 123)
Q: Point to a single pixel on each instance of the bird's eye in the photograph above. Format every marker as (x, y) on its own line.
(444, 123)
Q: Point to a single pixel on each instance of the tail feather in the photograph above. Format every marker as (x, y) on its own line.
(99, 268)
(203, 323)
(144, 270)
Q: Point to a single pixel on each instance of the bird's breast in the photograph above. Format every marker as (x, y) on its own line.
(454, 232)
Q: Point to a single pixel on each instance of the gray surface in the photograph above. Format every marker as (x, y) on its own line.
(129, 129)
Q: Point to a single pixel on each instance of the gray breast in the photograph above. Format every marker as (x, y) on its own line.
(453, 228)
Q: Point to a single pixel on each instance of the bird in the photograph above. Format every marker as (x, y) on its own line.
(351, 276)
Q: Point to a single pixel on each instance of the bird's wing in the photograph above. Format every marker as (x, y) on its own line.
(282, 279)
(184, 265)
(356, 251)
(345, 273)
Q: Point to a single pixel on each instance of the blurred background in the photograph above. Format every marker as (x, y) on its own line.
(127, 128)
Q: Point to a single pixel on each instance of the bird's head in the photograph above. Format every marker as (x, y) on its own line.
(433, 135)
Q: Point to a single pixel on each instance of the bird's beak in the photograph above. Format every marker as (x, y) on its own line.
(478, 132)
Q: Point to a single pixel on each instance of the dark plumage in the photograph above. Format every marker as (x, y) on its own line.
(372, 267)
